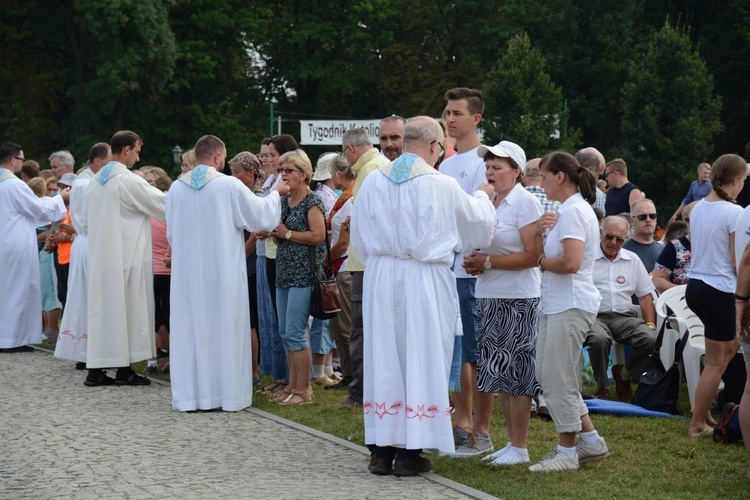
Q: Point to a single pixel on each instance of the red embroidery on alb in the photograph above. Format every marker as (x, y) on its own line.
(381, 410)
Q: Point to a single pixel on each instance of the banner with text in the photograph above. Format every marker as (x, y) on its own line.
(329, 132)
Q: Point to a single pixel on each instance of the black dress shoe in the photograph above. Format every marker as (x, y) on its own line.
(381, 465)
(340, 386)
(411, 466)
(133, 379)
(21, 348)
(98, 378)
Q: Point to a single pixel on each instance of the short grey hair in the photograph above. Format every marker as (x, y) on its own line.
(421, 129)
(64, 156)
(615, 218)
(357, 137)
(638, 202)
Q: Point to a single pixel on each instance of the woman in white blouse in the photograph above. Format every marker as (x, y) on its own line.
(507, 293)
(570, 302)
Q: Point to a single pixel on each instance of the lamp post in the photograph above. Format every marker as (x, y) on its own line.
(177, 156)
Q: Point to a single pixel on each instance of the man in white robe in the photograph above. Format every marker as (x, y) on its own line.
(407, 224)
(71, 343)
(207, 211)
(119, 207)
(21, 292)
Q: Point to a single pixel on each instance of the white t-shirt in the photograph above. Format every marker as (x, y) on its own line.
(338, 219)
(620, 279)
(711, 223)
(519, 209)
(560, 292)
(469, 170)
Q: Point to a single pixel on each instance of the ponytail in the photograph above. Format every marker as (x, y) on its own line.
(726, 169)
(586, 184)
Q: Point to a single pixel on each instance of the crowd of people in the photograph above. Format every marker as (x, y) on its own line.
(465, 272)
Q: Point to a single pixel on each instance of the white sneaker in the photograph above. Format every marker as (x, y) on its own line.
(511, 457)
(555, 461)
(592, 452)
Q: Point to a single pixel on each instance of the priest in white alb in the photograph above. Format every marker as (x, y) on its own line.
(119, 207)
(21, 292)
(407, 224)
(73, 338)
(210, 358)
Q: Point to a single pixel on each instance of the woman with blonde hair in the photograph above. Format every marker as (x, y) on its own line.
(299, 237)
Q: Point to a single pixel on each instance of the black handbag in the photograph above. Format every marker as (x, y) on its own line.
(659, 388)
(325, 302)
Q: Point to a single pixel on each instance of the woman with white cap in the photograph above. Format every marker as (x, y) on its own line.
(508, 313)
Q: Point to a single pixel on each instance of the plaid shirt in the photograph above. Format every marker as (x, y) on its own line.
(547, 205)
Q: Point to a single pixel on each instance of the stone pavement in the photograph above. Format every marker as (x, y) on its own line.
(60, 439)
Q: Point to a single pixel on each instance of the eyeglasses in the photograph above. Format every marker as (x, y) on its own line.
(19, 158)
(287, 171)
(643, 217)
(264, 156)
(610, 237)
(607, 174)
(442, 148)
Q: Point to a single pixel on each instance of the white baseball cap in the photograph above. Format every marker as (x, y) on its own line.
(505, 149)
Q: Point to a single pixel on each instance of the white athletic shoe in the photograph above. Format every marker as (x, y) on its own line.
(555, 461)
(592, 452)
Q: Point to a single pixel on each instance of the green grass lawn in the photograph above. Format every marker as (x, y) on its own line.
(651, 457)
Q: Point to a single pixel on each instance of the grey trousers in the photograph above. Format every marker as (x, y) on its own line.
(624, 328)
(356, 339)
(340, 326)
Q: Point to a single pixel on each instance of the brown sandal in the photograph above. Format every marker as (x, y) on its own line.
(283, 395)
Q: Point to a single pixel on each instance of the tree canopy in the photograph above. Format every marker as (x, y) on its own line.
(77, 70)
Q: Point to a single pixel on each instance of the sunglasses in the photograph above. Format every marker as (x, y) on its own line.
(610, 237)
(643, 217)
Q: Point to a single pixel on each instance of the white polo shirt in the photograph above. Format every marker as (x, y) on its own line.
(619, 279)
(469, 170)
(519, 209)
(561, 292)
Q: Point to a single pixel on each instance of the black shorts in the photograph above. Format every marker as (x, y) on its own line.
(714, 308)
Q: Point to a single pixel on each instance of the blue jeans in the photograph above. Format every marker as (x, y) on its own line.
(321, 340)
(468, 308)
(293, 308)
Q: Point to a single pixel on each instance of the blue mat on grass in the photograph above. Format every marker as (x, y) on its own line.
(619, 408)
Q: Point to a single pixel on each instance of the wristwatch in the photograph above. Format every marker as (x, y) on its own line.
(288, 235)
(487, 264)
(539, 264)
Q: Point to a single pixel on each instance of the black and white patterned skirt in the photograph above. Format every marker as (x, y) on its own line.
(506, 345)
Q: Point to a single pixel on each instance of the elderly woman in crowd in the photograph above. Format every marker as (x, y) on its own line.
(673, 263)
(337, 224)
(300, 237)
(507, 291)
(712, 280)
(570, 302)
(245, 166)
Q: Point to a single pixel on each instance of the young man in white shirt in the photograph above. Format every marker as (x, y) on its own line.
(462, 114)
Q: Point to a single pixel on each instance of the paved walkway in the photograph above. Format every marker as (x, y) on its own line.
(60, 439)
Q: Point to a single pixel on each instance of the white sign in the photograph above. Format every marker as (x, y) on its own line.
(329, 132)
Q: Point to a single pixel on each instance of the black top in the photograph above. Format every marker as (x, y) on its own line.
(618, 199)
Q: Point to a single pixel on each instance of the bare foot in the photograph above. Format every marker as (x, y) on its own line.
(701, 431)
(710, 419)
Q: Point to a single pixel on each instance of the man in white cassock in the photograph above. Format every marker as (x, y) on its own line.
(210, 357)
(119, 207)
(73, 338)
(407, 224)
(21, 292)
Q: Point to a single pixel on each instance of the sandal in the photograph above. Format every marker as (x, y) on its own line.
(283, 395)
(298, 398)
(275, 386)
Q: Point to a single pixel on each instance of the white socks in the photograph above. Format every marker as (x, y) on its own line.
(328, 370)
(318, 371)
(512, 457)
(589, 437)
(569, 452)
(498, 453)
